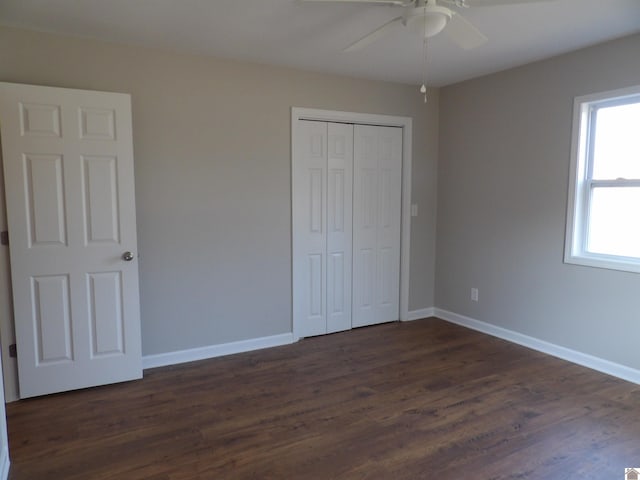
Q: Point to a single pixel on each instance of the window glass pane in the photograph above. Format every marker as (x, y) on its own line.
(617, 142)
(614, 221)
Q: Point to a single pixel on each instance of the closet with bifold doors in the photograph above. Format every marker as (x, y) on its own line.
(347, 195)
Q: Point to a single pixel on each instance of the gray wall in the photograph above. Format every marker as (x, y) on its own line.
(212, 164)
(502, 182)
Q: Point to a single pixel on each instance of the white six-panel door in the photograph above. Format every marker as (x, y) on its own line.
(376, 232)
(346, 226)
(68, 163)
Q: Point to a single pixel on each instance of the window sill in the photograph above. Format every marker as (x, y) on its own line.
(608, 262)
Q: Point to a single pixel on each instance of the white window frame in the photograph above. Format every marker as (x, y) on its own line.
(581, 183)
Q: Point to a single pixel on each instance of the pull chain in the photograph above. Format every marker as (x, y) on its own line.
(423, 87)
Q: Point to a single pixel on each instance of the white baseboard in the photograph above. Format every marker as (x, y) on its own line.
(202, 353)
(586, 360)
(422, 313)
(4, 463)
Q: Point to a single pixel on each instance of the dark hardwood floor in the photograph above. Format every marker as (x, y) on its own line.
(419, 400)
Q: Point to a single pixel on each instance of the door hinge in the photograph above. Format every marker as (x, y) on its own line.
(13, 350)
(4, 238)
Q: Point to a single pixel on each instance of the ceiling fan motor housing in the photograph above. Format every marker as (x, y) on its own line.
(430, 19)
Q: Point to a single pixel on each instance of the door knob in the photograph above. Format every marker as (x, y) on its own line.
(127, 256)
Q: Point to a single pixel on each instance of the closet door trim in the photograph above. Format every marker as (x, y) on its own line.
(379, 120)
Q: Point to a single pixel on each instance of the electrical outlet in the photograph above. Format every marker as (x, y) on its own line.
(474, 294)
(414, 210)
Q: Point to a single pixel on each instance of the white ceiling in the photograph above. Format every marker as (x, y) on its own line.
(311, 36)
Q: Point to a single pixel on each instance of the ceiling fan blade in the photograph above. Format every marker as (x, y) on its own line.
(493, 3)
(373, 36)
(462, 32)
(399, 3)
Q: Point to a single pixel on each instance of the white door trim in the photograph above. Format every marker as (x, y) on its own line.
(405, 123)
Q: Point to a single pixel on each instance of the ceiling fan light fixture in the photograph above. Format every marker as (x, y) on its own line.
(433, 19)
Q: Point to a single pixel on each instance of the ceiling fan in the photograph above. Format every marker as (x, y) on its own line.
(432, 17)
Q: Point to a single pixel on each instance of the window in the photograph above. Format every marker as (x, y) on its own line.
(603, 218)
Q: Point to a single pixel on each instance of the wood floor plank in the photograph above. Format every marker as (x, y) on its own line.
(419, 400)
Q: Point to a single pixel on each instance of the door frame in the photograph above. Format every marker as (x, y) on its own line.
(300, 113)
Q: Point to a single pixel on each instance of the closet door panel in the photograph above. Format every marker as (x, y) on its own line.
(339, 226)
(309, 229)
(365, 194)
(389, 224)
(377, 219)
